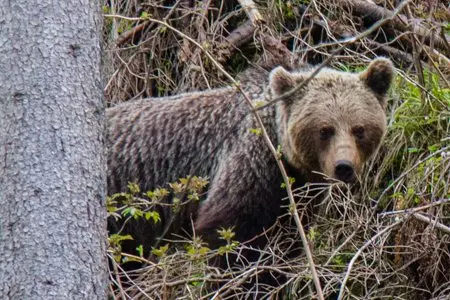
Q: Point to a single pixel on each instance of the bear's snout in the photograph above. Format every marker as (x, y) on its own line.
(345, 171)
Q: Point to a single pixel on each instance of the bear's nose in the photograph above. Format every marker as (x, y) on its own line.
(344, 171)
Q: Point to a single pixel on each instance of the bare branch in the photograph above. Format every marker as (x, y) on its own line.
(252, 12)
(429, 220)
(358, 253)
(373, 13)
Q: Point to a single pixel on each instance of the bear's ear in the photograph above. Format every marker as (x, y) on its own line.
(378, 76)
(281, 81)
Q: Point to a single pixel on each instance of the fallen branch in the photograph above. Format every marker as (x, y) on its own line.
(238, 37)
(129, 34)
(278, 54)
(342, 33)
(429, 220)
(371, 13)
(393, 52)
(252, 12)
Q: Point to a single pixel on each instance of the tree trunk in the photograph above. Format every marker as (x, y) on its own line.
(52, 163)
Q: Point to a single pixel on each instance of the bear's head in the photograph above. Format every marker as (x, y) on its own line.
(334, 123)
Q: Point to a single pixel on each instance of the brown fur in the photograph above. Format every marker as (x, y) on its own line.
(343, 105)
(337, 117)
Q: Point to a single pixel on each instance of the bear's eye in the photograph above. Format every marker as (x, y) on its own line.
(358, 132)
(326, 133)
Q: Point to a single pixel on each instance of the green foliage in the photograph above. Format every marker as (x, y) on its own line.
(291, 181)
(256, 131)
(188, 185)
(227, 234)
(117, 238)
(312, 234)
(287, 8)
(196, 250)
(340, 261)
(258, 103)
(446, 28)
(154, 215)
(115, 245)
(140, 250)
(417, 119)
(198, 283)
(106, 9)
(133, 188)
(157, 194)
(145, 15)
(352, 68)
(161, 251)
(279, 152)
(417, 139)
(135, 205)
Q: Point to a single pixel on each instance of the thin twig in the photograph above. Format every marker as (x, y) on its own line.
(358, 253)
(415, 209)
(117, 276)
(416, 56)
(372, 12)
(393, 183)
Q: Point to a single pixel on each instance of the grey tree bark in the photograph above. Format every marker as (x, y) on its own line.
(52, 162)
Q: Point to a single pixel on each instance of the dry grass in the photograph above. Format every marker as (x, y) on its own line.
(386, 238)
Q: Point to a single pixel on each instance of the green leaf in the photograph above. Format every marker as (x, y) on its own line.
(160, 251)
(413, 150)
(228, 248)
(140, 250)
(226, 234)
(154, 215)
(257, 131)
(117, 238)
(129, 211)
(257, 104)
(133, 188)
(433, 148)
(194, 196)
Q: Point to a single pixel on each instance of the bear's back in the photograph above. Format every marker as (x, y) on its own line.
(156, 141)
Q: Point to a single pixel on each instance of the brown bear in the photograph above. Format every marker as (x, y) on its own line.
(328, 129)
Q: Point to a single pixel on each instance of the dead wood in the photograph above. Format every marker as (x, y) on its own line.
(252, 11)
(237, 38)
(371, 13)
